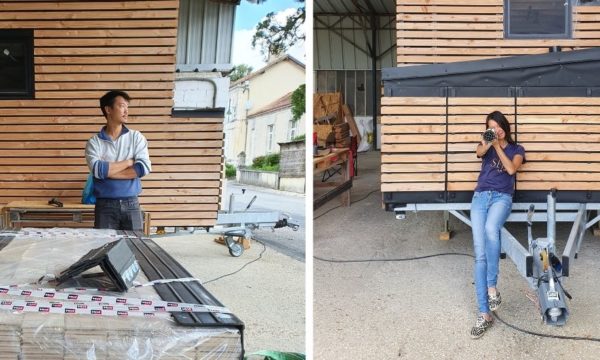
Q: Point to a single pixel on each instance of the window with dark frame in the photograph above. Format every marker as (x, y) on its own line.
(16, 64)
(537, 19)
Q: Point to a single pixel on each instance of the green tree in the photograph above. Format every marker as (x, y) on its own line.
(298, 102)
(275, 38)
(239, 71)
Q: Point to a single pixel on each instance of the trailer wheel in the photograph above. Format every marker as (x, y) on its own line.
(235, 248)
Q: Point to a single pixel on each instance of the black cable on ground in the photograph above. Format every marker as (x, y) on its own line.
(240, 269)
(469, 255)
(545, 335)
(353, 202)
(384, 260)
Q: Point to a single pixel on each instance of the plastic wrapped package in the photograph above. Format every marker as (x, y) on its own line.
(30, 328)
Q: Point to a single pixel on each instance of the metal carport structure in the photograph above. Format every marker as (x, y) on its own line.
(353, 40)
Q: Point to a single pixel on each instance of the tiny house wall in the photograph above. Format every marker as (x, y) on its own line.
(81, 50)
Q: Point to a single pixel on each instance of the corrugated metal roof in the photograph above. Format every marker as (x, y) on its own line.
(205, 33)
(347, 7)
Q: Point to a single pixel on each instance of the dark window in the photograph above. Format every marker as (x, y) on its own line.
(588, 2)
(537, 19)
(16, 64)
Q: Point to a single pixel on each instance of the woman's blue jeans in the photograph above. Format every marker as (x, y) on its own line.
(489, 211)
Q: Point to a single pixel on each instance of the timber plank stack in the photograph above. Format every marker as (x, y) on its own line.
(81, 50)
(43, 336)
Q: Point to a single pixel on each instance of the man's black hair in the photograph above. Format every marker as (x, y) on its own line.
(109, 99)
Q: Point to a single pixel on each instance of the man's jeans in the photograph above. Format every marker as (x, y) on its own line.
(489, 211)
(118, 214)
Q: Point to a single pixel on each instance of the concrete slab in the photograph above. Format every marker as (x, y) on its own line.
(268, 294)
(424, 309)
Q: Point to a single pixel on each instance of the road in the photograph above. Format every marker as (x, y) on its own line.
(284, 240)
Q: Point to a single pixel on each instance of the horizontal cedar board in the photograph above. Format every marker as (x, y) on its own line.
(104, 33)
(412, 158)
(77, 192)
(170, 76)
(413, 129)
(563, 109)
(476, 128)
(135, 94)
(437, 59)
(60, 103)
(80, 111)
(535, 156)
(475, 43)
(559, 185)
(147, 184)
(80, 160)
(68, 42)
(455, 25)
(449, 9)
(94, 68)
(85, 136)
(414, 177)
(481, 101)
(475, 119)
(391, 187)
(413, 119)
(438, 34)
(138, 50)
(107, 59)
(109, 85)
(209, 148)
(401, 110)
(406, 168)
(82, 176)
(489, 52)
(556, 101)
(408, 148)
(413, 101)
(462, 186)
(143, 199)
(49, 168)
(88, 5)
(583, 138)
(88, 24)
(408, 139)
(558, 119)
(83, 15)
(91, 129)
(449, 18)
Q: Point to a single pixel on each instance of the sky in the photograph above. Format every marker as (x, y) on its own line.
(246, 18)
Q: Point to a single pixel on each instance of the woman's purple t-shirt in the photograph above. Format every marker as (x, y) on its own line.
(493, 176)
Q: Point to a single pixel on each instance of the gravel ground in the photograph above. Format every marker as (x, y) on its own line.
(424, 309)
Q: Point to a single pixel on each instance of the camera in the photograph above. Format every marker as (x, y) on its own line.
(489, 135)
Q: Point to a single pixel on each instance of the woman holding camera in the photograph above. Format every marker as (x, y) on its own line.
(491, 205)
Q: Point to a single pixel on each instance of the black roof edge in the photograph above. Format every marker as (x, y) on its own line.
(496, 64)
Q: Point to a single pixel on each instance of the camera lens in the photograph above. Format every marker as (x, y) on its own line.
(489, 135)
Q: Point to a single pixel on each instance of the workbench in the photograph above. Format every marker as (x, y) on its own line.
(332, 159)
(17, 214)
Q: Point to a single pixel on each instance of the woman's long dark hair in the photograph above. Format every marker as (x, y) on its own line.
(501, 120)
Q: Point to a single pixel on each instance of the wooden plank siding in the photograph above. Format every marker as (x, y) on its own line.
(422, 150)
(81, 50)
(441, 31)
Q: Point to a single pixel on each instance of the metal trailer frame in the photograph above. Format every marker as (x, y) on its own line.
(240, 224)
(538, 263)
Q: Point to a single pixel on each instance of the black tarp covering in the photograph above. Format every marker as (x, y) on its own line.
(560, 74)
